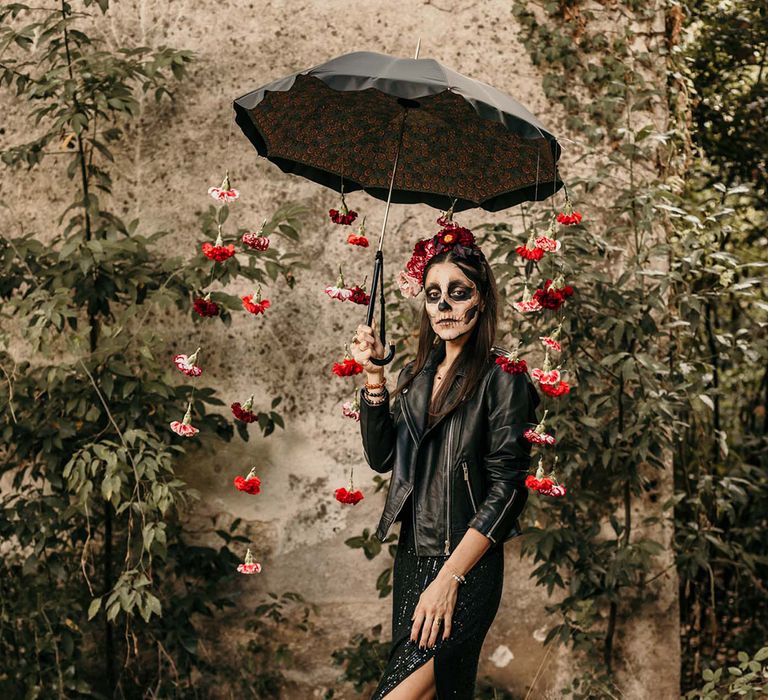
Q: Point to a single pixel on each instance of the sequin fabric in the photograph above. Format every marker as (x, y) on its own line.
(456, 658)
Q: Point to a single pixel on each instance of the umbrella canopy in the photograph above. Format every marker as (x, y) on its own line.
(344, 123)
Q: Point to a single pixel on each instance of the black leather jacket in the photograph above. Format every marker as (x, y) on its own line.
(466, 470)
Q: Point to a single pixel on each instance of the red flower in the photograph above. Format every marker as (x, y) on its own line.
(344, 217)
(188, 365)
(184, 427)
(258, 306)
(204, 306)
(250, 566)
(359, 296)
(250, 484)
(552, 297)
(243, 412)
(512, 366)
(454, 235)
(218, 251)
(569, 219)
(556, 389)
(225, 193)
(354, 239)
(254, 241)
(347, 368)
(568, 216)
(530, 253)
(344, 496)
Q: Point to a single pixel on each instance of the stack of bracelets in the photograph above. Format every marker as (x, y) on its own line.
(376, 393)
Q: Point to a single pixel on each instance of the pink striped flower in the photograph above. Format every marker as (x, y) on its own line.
(225, 193)
(185, 427)
(249, 566)
(188, 365)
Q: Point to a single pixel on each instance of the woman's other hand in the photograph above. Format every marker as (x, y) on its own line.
(437, 600)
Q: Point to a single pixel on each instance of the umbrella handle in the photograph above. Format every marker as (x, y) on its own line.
(378, 270)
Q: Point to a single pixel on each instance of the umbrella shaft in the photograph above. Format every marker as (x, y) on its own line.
(392, 179)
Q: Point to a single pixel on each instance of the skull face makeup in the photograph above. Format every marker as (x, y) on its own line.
(452, 300)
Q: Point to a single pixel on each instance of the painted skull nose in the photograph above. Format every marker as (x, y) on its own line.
(443, 305)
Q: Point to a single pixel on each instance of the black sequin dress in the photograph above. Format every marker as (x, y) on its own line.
(456, 658)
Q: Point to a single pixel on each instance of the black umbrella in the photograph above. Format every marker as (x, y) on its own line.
(404, 130)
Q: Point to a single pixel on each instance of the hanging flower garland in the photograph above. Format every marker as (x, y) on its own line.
(550, 297)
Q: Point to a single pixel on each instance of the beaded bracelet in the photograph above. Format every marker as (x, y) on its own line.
(376, 386)
(458, 577)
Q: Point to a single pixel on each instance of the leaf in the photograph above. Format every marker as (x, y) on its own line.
(94, 607)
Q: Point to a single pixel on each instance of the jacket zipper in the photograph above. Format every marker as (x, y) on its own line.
(509, 502)
(448, 487)
(469, 486)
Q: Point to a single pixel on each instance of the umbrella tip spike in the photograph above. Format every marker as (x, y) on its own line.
(418, 46)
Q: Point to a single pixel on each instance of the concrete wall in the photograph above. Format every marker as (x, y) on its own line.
(296, 526)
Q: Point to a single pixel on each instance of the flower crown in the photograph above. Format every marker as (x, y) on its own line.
(451, 237)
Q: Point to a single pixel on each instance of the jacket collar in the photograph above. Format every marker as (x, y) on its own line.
(416, 400)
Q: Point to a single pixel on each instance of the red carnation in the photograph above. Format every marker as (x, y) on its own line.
(344, 496)
(556, 389)
(530, 253)
(204, 306)
(553, 296)
(568, 216)
(243, 412)
(359, 296)
(347, 368)
(512, 366)
(353, 239)
(254, 241)
(250, 484)
(253, 302)
(218, 251)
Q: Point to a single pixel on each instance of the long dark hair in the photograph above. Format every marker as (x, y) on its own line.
(475, 351)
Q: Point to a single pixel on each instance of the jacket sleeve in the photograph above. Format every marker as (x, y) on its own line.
(377, 427)
(510, 401)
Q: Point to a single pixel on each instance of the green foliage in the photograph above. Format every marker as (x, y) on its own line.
(364, 659)
(748, 680)
(92, 524)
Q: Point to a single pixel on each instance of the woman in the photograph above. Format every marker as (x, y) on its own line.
(458, 459)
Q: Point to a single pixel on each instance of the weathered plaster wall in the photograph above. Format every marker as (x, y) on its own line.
(296, 527)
